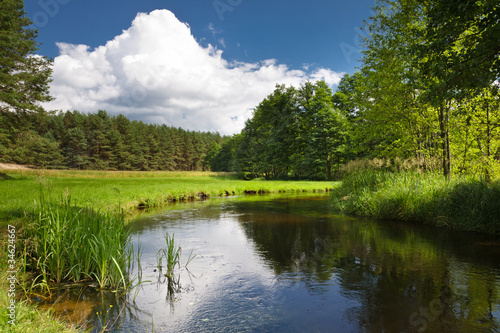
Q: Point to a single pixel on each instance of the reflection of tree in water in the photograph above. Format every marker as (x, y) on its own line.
(403, 278)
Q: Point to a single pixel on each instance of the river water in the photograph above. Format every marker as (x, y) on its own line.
(290, 264)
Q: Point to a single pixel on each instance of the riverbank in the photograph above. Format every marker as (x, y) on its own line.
(132, 190)
(104, 192)
(463, 202)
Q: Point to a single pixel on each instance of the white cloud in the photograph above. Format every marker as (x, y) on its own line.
(331, 78)
(156, 71)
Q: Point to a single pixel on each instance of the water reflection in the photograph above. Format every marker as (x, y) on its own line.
(289, 264)
(402, 277)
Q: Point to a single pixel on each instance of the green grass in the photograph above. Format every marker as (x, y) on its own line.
(130, 191)
(464, 202)
(65, 243)
(171, 253)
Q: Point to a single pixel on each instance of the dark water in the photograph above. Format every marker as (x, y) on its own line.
(290, 264)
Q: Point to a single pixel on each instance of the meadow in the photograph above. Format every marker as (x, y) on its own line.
(131, 190)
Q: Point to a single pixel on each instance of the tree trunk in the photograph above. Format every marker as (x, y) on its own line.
(487, 174)
(444, 117)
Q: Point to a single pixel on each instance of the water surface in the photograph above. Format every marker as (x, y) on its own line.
(290, 264)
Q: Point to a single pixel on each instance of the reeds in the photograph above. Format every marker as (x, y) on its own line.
(65, 243)
(464, 202)
(171, 253)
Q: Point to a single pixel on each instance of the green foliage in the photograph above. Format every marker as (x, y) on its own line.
(220, 157)
(33, 149)
(398, 106)
(293, 133)
(24, 75)
(461, 44)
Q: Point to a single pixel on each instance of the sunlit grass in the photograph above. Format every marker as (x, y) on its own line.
(463, 202)
(21, 192)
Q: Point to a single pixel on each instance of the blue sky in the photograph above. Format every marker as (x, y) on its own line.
(198, 64)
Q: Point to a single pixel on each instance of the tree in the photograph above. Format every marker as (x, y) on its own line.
(327, 135)
(24, 76)
(405, 111)
(36, 150)
(294, 132)
(393, 116)
(461, 45)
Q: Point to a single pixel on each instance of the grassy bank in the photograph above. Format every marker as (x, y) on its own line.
(67, 242)
(131, 190)
(464, 202)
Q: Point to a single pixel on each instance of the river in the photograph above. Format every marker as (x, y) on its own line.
(290, 264)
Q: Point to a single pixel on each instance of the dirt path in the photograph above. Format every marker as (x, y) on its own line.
(10, 166)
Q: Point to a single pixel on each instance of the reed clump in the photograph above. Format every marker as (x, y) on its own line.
(463, 202)
(65, 243)
(171, 253)
(170, 256)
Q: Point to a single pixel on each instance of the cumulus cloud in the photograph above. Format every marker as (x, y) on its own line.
(157, 71)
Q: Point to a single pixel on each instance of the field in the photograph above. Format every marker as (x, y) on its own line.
(101, 190)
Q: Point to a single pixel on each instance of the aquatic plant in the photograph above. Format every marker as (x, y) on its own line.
(171, 253)
(65, 243)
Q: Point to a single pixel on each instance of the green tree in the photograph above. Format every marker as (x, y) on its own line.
(327, 135)
(461, 47)
(75, 148)
(97, 127)
(224, 155)
(24, 76)
(294, 132)
(36, 150)
(405, 112)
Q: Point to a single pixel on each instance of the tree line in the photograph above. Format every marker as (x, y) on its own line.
(100, 141)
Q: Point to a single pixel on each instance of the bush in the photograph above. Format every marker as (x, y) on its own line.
(246, 175)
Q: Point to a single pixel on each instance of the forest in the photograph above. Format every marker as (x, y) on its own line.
(100, 141)
(426, 90)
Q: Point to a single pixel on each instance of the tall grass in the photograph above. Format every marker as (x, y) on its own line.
(464, 202)
(70, 244)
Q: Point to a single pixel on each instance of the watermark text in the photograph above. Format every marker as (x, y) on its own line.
(11, 274)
